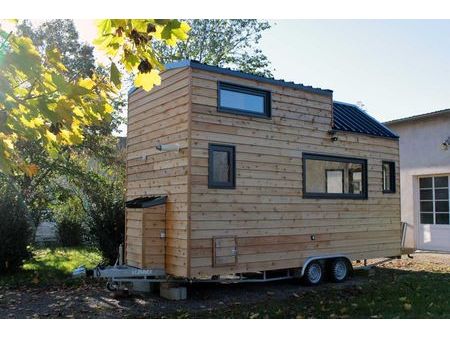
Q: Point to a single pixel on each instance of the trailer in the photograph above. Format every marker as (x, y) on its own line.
(230, 173)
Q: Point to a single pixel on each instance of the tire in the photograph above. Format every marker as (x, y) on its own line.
(339, 270)
(314, 273)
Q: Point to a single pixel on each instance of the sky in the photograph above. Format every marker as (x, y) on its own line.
(396, 68)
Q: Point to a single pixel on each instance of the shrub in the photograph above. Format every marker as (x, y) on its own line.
(105, 208)
(69, 215)
(15, 228)
(69, 232)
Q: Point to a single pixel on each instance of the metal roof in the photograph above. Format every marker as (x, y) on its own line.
(418, 117)
(226, 71)
(350, 118)
(347, 117)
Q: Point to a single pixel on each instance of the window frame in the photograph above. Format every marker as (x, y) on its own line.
(333, 158)
(267, 95)
(231, 150)
(392, 177)
(433, 200)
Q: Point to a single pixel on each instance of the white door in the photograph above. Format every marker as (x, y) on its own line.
(434, 213)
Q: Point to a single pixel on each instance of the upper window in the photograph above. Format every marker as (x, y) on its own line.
(334, 177)
(221, 166)
(243, 100)
(388, 177)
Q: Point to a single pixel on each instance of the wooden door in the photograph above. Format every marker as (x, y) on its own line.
(154, 237)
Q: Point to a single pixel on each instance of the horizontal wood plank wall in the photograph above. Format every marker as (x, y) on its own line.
(273, 224)
(146, 237)
(161, 117)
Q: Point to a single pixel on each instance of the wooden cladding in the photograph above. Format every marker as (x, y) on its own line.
(145, 237)
(264, 222)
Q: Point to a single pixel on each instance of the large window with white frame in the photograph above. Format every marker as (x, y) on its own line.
(434, 200)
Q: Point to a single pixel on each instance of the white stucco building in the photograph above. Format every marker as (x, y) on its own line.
(425, 178)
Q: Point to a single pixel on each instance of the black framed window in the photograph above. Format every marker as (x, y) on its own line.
(221, 166)
(326, 176)
(388, 171)
(238, 99)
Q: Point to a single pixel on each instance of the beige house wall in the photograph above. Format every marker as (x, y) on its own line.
(420, 155)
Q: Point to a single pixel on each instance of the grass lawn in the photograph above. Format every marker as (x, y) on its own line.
(391, 293)
(52, 265)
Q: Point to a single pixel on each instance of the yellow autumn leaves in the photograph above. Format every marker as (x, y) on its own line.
(128, 42)
(41, 102)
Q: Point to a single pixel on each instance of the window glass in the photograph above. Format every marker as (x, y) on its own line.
(442, 218)
(333, 177)
(355, 181)
(237, 100)
(221, 163)
(335, 181)
(388, 173)
(221, 166)
(426, 218)
(426, 206)
(434, 200)
(441, 194)
(426, 182)
(244, 100)
(441, 182)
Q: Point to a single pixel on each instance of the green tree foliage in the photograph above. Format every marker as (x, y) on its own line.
(225, 43)
(100, 185)
(62, 35)
(38, 103)
(15, 230)
(129, 43)
(106, 210)
(69, 215)
(45, 186)
(43, 101)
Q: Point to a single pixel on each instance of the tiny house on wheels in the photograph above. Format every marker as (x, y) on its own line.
(232, 173)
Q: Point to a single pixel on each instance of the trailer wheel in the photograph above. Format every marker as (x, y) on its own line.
(111, 286)
(339, 270)
(313, 273)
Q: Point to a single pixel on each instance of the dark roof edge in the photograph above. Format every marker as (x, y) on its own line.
(418, 117)
(146, 202)
(226, 71)
(237, 73)
(372, 118)
(396, 137)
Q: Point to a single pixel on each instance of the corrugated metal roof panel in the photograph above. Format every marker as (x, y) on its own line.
(348, 117)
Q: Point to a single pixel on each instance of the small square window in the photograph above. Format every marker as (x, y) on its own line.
(221, 166)
(388, 177)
